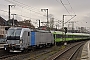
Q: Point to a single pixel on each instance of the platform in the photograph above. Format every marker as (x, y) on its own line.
(86, 52)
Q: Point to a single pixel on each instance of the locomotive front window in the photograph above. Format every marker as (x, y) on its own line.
(10, 32)
(17, 32)
(14, 32)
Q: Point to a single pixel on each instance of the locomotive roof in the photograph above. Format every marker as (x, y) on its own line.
(15, 28)
(42, 31)
(20, 28)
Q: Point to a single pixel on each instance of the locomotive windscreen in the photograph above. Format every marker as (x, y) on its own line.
(13, 34)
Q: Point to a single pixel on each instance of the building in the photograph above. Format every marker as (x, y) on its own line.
(2, 31)
(2, 21)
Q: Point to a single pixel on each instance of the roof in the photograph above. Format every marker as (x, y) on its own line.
(2, 21)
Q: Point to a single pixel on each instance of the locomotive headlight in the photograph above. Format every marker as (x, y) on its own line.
(21, 41)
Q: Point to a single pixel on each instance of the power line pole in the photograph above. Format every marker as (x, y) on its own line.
(63, 30)
(63, 37)
(47, 19)
(39, 23)
(47, 16)
(13, 19)
(9, 10)
(63, 23)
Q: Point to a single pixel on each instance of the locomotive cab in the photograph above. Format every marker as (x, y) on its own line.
(19, 39)
(15, 39)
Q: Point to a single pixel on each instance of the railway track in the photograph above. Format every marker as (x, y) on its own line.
(6, 55)
(68, 54)
(44, 55)
(33, 55)
(21, 56)
(41, 54)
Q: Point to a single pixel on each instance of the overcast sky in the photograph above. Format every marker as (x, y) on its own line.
(31, 9)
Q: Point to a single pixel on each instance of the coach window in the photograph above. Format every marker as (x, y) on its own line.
(58, 36)
(28, 34)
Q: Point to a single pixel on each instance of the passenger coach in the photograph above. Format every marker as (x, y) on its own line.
(70, 37)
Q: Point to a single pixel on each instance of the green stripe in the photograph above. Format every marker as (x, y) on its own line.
(67, 39)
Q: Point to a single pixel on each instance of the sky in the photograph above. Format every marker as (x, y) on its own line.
(31, 10)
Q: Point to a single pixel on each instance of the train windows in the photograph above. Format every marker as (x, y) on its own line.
(10, 32)
(14, 32)
(59, 36)
(70, 36)
(17, 32)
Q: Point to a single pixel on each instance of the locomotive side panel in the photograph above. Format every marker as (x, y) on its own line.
(38, 38)
(50, 39)
(25, 38)
(33, 38)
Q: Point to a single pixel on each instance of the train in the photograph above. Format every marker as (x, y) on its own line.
(19, 39)
(60, 37)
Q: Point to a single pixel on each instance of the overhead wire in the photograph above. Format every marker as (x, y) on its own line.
(26, 5)
(73, 12)
(71, 6)
(30, 10)
(20, 4)
(63, 5)
(29, 6)
(67, 10)
(26, 16)
(69, 19)
(17, 14)
(23, 6)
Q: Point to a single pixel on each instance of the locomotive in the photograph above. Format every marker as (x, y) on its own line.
(19, 39)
